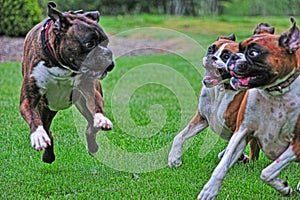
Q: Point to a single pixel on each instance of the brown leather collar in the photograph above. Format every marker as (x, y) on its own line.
(279, 87)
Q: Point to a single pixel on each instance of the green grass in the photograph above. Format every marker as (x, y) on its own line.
(115, 172)
(202, 29)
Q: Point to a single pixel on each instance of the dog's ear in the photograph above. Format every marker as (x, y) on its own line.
(230, 37)
(93, 15)
(290, 38)
(264, 28)
(61, 22)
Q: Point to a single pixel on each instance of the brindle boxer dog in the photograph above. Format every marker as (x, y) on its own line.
(218, 102)
(270, 113)
(64, 58)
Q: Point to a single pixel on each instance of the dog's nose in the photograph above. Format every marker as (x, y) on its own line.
(214, 58)
(110, 67)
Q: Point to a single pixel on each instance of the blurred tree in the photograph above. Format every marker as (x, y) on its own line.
(258, 7)
(182, 7)
(18, 16)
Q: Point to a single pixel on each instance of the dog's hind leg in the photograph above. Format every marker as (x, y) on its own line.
(270, 173)
(196, 125)
(254, 149)
(254, 152)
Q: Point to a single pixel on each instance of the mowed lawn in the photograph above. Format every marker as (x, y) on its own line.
(149, 99)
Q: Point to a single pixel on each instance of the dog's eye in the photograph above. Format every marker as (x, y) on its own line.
(225, 55)
(253, 53)
(211, 49)
(90, 44)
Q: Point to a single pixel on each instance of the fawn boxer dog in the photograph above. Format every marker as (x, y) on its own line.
(270, 112)
(64, 58)
(218, 102)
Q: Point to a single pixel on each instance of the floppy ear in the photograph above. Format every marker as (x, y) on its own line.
(230, 37)
(93, 15)
(290, 38)
(60, 20)
(264, 28)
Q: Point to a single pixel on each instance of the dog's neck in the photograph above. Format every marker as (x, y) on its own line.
(49, 51)
(280, 85)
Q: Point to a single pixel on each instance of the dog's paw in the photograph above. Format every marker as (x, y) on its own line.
(244, 159)
(40, 139)
(174, 159)
(174, 163)
(102, 122)
(208, 193)
(298, 186)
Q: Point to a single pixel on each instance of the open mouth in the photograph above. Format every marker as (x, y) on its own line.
(239, 82)
(96, 74)
(209, 81)
(242, 80)
(211, 78)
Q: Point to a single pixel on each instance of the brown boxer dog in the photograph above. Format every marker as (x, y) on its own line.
(218, 102)
(64, 58)
(270, 113)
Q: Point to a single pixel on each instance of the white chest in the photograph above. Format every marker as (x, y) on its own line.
(273, 119)
(56, 84)
(213, 104)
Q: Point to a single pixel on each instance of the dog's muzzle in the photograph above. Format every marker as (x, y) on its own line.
(234, 60)
(98, 62)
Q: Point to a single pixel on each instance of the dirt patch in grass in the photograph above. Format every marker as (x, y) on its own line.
(12, 48)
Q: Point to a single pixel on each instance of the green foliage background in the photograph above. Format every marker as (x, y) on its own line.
(184, 7)
(18, 16)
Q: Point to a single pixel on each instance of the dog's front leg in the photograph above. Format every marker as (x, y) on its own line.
(233, 151)
(89, 102)
(196, 125)
(94, 105)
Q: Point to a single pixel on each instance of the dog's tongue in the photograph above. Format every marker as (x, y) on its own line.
(211, 80)
(244, 81)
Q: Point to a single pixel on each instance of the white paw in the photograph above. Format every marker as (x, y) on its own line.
(174, 159)
(102, 122)
(207, 194)
(174, 163)
(298, 186)
(40, 139)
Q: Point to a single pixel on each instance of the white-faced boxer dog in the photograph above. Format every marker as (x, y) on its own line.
(64, 58)
(218, 102)
(270, 113)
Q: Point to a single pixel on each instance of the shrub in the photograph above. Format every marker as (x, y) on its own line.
(17, 17)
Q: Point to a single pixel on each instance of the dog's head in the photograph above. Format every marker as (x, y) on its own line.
(215, 60)
(80, 43)
(265, 59)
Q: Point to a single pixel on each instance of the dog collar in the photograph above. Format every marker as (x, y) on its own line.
(279, 87)
(45, 43)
